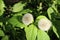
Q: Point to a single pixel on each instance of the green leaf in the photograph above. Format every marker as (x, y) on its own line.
(23, 12)
(41, 35)
(55, 31)
(1, 23)
(50, 11)
(1, 7)
(58, 1)
(40, 17)
(18, 7)
(31, 32)
(56, 28)
(5, 38)
(15, 21)
(1, 33)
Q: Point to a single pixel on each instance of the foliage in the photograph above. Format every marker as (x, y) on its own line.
(12, 27)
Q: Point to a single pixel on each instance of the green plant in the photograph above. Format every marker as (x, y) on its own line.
(30, 20)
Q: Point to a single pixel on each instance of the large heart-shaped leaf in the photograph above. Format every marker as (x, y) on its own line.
(31, 32)
(41, 35)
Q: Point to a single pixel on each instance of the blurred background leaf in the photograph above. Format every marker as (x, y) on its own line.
(18, 7)
(2, 33)
(2, 5)
(5, 38)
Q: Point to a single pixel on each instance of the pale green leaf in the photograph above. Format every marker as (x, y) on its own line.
(5, 38)
(18, 7)
(15, 21)
(56, 28)
(23, 12)
(31, 32)
(50, 11)
(1, 23)
(1, 7)
(40, 17)
(55, 31)
(41, 35)
(1, 33)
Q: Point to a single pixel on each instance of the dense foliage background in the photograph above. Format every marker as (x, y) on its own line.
(12, 28)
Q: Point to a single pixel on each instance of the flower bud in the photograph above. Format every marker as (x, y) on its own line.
(43, 23)
(27, 19)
